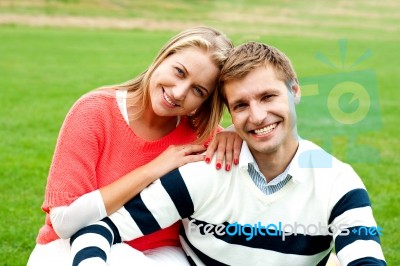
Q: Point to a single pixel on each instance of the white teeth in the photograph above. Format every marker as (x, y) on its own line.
(169, 100)
(265, 130)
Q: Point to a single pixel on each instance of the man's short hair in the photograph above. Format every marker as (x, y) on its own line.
(252, 55)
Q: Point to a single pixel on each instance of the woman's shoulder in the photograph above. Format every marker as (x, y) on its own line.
(95, 100)
(97, 96)
(97, 103)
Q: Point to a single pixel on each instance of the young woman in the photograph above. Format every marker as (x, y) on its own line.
(117, 140)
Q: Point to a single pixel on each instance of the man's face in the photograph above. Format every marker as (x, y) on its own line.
(263, 112)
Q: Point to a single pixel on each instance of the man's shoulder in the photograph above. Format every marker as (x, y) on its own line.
(310, 155)
(202, 169)
(313, 161)
(205, 175)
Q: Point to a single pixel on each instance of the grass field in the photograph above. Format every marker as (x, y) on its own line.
(45, 66)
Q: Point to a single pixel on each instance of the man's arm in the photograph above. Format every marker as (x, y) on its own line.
(158, 206)
(357, 241)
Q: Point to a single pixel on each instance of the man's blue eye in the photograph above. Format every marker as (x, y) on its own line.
(238, 106)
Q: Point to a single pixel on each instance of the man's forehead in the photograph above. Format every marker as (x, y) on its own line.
(260, 81)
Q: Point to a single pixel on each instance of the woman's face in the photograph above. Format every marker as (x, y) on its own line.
(182, 82)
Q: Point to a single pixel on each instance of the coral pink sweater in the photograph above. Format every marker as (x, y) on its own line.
(96, 147)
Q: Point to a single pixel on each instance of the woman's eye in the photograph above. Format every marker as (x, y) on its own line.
(198, 91)
(180, 72)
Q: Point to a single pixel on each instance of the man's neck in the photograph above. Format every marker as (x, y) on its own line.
(273, 164)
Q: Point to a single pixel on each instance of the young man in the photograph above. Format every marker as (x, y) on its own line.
(287, 202)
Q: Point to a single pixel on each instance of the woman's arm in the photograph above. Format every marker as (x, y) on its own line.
(73, 171)
(116, 194)
(72, 187)
(96, 205)
(226, 144)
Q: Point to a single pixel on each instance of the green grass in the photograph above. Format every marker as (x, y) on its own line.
(44, 70)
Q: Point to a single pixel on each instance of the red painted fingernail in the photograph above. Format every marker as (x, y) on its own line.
(218, 166)
(205, 145)
(207, 160)
(236, 161)
(227, 167)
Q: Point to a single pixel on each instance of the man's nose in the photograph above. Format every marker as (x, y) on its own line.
(258, 114)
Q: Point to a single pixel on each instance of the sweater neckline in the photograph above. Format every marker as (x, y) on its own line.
(262, 196)
(172, 134)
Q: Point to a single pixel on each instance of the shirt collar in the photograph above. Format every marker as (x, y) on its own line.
(245, 157)
(296, 166)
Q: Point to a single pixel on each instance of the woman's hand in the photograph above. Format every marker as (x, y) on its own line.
(227, 144)
(174, 157)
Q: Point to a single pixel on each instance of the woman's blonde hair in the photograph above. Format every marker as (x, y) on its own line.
(206, 118)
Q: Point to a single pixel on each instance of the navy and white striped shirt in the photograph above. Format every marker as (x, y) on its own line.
(227, 220)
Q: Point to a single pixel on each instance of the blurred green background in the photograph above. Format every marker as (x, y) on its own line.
(53, 51)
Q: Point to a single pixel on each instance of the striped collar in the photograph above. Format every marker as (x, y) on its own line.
(248, 163)
(271, 187)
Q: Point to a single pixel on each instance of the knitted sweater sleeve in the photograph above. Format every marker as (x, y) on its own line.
(73, 168)
(356, 234)
(175, 196)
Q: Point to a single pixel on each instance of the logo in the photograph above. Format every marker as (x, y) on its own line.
(281, 230)
(340, 107)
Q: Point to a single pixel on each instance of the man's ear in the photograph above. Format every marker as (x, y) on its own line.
(296, 93)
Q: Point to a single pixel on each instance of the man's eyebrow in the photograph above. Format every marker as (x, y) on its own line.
(268, 90)
(237, 101)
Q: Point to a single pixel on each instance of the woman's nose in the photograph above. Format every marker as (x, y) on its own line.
(180, 91)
